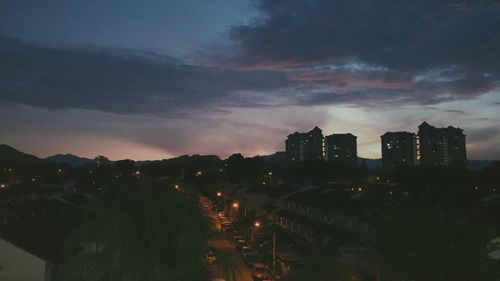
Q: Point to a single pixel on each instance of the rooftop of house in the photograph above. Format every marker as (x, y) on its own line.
(39, 227)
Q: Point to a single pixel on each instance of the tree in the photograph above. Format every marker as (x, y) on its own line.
(424, 244)
(136, 232)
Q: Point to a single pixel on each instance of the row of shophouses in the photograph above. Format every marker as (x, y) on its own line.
(320, 217)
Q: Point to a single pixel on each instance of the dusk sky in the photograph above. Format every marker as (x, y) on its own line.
(152, 79)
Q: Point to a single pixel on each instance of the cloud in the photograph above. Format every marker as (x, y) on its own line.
(403, 35)
(119, 81)
(421, 48)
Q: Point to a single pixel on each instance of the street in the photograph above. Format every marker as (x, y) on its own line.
(226, 247)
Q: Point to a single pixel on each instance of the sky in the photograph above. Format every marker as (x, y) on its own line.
(153, 79)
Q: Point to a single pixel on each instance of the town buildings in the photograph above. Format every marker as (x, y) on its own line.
(305, 146)
(341, 148)
(399, 149)
(432, 146)
(442, 146)
(312, 145)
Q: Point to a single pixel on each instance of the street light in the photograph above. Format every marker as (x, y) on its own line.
(234, 211)
(270, 174)
(274, 248)
(255, 225)
(221, 196)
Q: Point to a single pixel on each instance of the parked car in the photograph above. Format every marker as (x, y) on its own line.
(240, 244)
(247, 251)
(227, 227)
(210, 257)
(237, 237)
(260, 273)
(251, 259)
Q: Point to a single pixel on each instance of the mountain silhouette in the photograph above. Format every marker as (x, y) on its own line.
(10, 154)
(73, 160)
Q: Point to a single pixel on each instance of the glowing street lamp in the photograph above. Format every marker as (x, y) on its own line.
(234, 211)
(270, 175)
(221, 197)
(255, 225)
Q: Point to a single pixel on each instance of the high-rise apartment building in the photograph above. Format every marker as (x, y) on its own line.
(341, 148)
(305, 146)
(442, 146)
(399, 149)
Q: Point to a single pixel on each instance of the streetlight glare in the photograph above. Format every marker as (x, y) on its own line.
(257, 224)
(235, 205)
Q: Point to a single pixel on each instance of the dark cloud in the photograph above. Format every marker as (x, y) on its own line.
(401, 52)
(416, 34)
(358, 52)
(121, 82)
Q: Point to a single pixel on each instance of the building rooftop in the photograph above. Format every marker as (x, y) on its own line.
(42, 232)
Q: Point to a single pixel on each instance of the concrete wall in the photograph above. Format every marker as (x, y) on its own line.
(19, 265)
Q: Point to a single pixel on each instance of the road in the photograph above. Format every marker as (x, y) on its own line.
(227, 248)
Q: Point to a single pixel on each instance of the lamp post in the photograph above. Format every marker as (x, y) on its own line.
(221, 195)
(270, 174)
(274, 248)
(235, 207)
(255, 225)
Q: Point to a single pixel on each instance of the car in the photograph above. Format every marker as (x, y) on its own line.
(258, 266)
(246, 251)
(237, 237)
(251, 259)
(261, 276)
(240, 244)
(259, 272)
(227, 227)
(210, 257)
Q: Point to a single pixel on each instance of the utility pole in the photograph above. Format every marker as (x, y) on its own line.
(274, 248)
